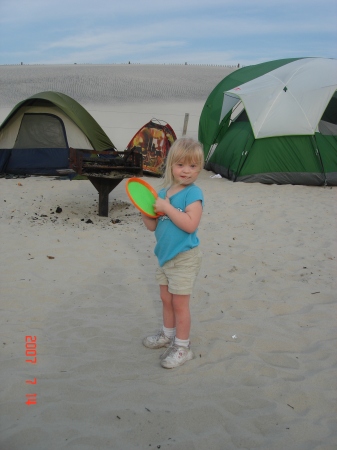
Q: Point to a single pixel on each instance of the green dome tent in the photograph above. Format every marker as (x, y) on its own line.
(274, 122)
(36, 135)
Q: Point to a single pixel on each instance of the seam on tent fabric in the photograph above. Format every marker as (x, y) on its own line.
(268, 111)
(219, 130)
(284, 85)
(313, 131)
(244, 155)
(316, 149)
(292, 76)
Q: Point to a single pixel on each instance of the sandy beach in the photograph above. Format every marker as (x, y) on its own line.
(263, 310)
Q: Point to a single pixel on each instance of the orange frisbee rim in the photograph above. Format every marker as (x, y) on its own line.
(149, 187)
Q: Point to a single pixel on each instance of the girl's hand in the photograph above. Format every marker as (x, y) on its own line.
(187, 220)
(161, 205)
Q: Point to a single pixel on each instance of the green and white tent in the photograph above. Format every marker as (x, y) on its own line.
(36, 135)
(274, 122)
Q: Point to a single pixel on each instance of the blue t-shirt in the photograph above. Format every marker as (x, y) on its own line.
(172, 240)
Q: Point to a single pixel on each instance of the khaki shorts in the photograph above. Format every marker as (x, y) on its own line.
(180, 273)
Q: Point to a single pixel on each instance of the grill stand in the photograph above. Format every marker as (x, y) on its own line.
(105, 171)
(104, 186)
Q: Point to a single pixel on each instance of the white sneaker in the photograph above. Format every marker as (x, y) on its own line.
(157, 341)
(175, 356)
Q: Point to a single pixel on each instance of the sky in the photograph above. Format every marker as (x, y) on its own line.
(210, 32)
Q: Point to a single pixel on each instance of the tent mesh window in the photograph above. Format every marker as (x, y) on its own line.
(41, 131)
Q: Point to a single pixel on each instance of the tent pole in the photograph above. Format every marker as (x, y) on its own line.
(185, 123)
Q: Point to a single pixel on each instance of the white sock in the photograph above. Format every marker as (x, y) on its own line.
(182, 342)
(169, 332)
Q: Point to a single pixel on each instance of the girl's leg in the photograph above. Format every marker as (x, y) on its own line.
(178, 354)
(168, 312)
(163, 339)
(181, 308)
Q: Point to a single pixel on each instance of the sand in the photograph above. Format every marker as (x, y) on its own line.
(263, 320)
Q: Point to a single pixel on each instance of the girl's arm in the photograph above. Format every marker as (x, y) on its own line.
(187, 221)
(151, 224)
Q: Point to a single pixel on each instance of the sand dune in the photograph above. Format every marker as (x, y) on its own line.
(121, 97)
(105, 84)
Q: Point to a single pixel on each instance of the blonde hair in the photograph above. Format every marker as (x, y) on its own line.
(185, 150)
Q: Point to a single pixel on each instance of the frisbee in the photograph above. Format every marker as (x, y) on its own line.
(142, 195)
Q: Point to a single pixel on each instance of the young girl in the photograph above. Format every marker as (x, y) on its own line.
(177, 248)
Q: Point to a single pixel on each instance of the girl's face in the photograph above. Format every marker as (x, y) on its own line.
(185, 173)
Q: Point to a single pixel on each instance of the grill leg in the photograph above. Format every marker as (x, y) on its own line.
(104, 186)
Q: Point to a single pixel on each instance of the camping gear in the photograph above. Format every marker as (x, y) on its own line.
(51, 134)
(36, 135)
(142, 195)
(274, 122)
(154, 140)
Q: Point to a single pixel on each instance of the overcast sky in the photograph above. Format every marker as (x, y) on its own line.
(219, 32)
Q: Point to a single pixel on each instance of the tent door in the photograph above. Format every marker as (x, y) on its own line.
(41, 131)
(41, 146)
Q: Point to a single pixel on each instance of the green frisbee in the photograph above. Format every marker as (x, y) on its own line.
(142, 195)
